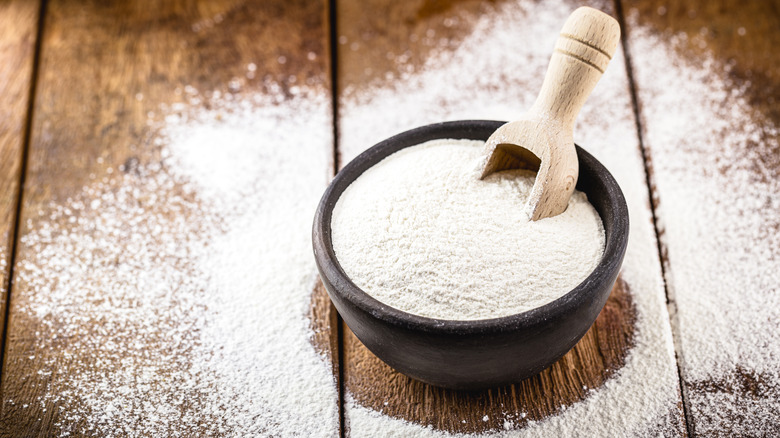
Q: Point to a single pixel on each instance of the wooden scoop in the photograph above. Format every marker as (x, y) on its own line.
(543, 137)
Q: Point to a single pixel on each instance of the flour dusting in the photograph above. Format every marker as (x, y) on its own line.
(171, 297)
(716, 165)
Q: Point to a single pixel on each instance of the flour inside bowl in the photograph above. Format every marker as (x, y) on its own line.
(420, 232)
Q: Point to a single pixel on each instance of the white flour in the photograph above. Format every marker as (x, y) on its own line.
(172, 299)
(717, 173)
(422, 233)
(483, 78)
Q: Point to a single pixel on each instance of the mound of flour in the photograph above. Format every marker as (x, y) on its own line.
(422, 233)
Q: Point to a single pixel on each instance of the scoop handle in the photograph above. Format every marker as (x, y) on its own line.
(583, 50)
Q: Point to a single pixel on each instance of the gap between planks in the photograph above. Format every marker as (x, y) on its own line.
(337, 324)
(653, 197)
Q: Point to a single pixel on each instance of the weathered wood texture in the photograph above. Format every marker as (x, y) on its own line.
(18, 30)
(402, 29)
(708, 86)
(108, 71)
(381, 45)
(105, 67)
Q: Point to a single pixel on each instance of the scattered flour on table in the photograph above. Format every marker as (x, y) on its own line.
(482, 78)
(171, 298)
(422, 233)
(716, 162)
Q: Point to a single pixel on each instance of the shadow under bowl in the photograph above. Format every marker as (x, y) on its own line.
(483, 353)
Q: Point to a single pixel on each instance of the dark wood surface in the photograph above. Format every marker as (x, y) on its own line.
(96, 58)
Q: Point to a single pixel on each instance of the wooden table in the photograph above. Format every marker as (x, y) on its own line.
(81, 81)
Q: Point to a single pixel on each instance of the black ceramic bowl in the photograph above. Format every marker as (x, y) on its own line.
(482, 353)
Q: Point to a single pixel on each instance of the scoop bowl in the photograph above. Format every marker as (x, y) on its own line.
(480, 353)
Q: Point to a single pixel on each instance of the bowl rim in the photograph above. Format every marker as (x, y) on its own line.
(329, 267)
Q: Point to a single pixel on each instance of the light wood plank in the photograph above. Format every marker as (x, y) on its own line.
(385, 69)
(708, 82)
(18, 30)
(120, 358)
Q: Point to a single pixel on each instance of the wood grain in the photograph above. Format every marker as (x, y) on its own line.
(732, 45)
(107, 72)
(374, 34)
(431, 28)
(18, 30)
(97, 58)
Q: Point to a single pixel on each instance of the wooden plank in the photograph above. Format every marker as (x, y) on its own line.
(164, 281)
(708, 82)
(422, 62)
(18, 30)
